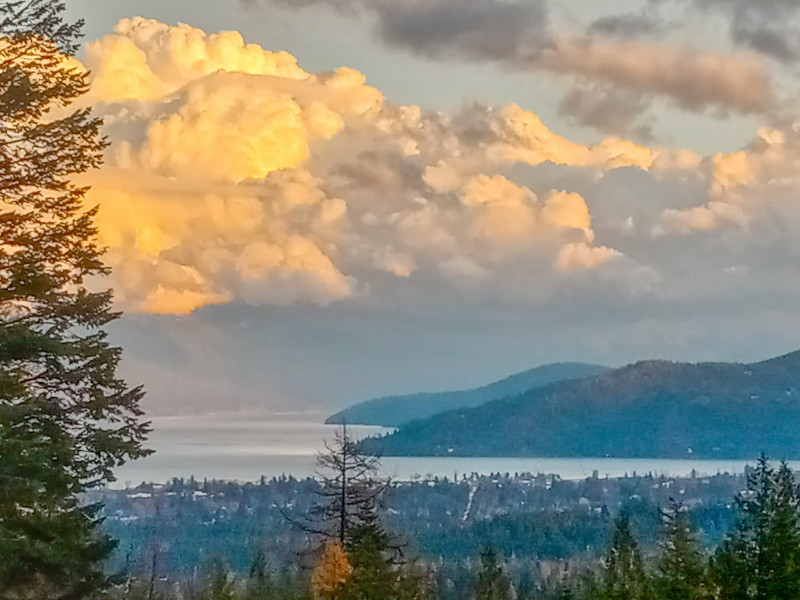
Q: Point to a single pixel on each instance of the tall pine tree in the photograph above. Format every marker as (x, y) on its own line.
(623, 573)
(66, 418)
(781, 561)
(375, 574)
(681, 571)
(492, 582)
(759, 559)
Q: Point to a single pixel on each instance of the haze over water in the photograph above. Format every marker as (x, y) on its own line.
(245, 447)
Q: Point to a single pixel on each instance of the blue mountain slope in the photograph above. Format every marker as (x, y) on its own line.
(394, 411)
(648, 409)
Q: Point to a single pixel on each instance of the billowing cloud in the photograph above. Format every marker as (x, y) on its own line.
(145, 60)
(234, 176)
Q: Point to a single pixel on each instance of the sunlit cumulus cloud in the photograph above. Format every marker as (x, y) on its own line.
(236, 176)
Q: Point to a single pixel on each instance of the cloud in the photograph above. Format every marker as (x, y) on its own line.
(701, 218)
(607, 109)
(567, 210)
(520, 135)
(584, 256)
(145, 59)
(225, 184)
(518, 35)
(768, 26)
(471, 29)
(174, 248)
(236, 176)
(630, 25)
(474, 29)
(694, 79)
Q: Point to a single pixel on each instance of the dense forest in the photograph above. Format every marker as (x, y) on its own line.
(533, 517)
(648, 409)
(349, 534)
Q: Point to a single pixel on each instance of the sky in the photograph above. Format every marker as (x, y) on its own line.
(308, 203)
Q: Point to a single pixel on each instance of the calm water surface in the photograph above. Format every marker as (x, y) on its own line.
(244, 448)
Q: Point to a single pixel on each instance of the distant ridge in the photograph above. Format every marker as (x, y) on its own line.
(394, 411)
(645, 410)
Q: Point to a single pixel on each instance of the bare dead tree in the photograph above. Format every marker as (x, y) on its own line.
(350, 493)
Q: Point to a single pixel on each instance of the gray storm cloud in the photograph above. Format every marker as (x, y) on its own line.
(695, 79)
(474, 29)
(518, 35)
(607, 108)
(768, 27)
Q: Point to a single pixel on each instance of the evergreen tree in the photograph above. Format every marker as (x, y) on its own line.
(623, 573)
(759, 559)
(564, 592)
(374, 575)
(730, 569)
(260, 584)
(66, 419)
(681, 571)
(736, 566)
(781, 561)
(492, 582)
(379, 571)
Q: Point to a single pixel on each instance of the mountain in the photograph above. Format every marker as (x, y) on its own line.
(648, 409)
(393, 411)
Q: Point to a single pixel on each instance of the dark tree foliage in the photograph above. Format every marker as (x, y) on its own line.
(757, 561)
(374, 576)
(760, 558)
(681, 570)
(66, 418)
(492, 582)
(260, 580)
(782, 562)
(380, 571)
(218, 583)
(623, 574)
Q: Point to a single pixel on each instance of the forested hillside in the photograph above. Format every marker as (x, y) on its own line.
(501, 537)
(534, 517)
(648, 409)
(394, 411)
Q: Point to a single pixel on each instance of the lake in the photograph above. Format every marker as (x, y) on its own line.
(244, 447)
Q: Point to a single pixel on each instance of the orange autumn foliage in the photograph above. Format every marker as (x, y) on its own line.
(332, 571)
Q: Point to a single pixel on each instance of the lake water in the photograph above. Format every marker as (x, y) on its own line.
(244, 448)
